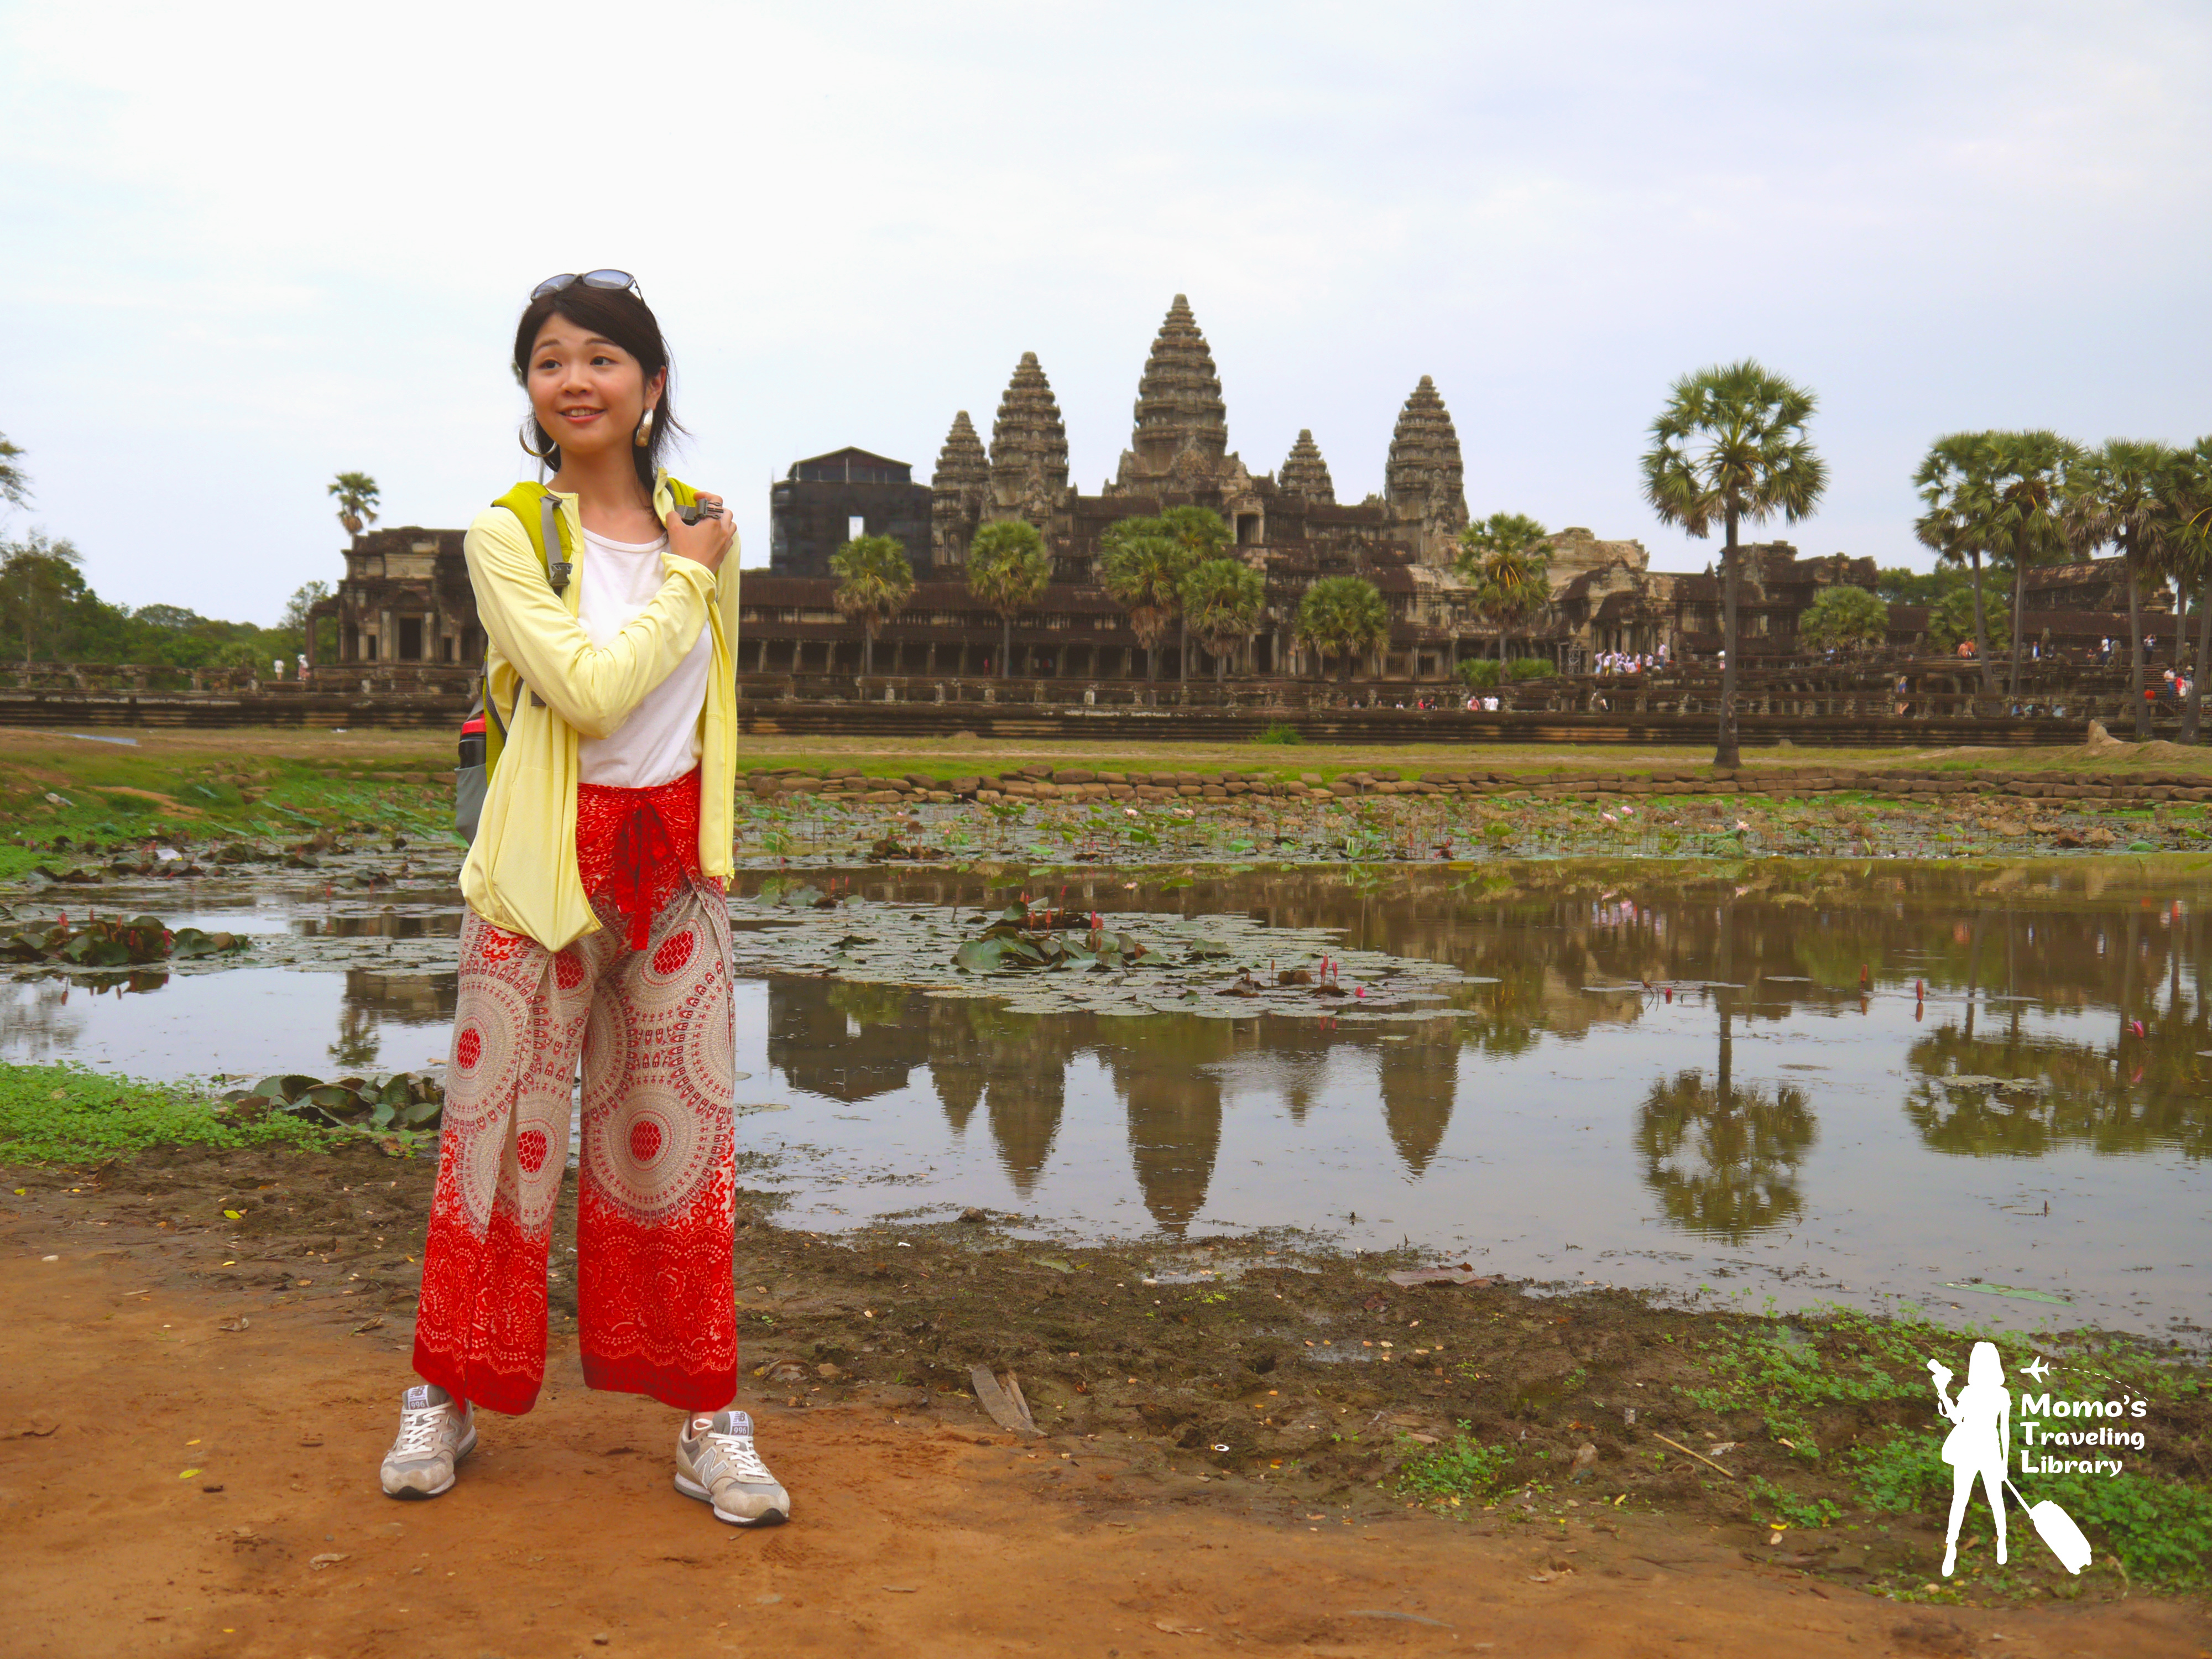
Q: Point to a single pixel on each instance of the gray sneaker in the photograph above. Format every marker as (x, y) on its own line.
(718, 1465)
(433, 1438)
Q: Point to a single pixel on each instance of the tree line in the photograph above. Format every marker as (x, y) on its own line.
(1173, 572)
(2010, 501)
(50, 613)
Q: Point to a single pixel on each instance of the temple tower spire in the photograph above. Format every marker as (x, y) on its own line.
(1304, 473)
(1422, 480)
(1182, 424)
(1029, 447)
(959, 489)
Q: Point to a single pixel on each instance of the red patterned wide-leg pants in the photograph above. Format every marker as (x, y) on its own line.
(655, 1308)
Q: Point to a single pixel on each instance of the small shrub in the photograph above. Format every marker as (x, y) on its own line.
(1791, 1510)
(1281, 734)
(1530, 668)
(1458, 1468)
(1481, 673)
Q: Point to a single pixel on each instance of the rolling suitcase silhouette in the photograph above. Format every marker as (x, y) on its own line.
(2057, 1529)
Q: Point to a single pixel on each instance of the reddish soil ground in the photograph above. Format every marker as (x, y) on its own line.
(172, 1486)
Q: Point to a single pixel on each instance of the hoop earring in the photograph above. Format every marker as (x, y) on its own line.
(644, 430)
(543, 457)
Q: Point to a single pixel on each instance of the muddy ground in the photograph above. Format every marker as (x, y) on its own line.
(194, 1405)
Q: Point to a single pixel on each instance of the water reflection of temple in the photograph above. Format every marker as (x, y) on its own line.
(373, 998)
(2083, 978)
(1175, 1075)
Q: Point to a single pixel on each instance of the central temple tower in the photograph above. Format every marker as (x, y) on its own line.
(1181, 442)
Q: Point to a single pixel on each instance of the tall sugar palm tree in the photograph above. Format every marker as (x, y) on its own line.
(2182, 537)
(357, 499)
(1009, 570)
(2111, 500)
(1202, 535)
(1729, 448)
(1506, 557)
(1957, 484)
(1223, 602)
(2027, 481)
(1343, 617)
(1143, 566)
(874, 582)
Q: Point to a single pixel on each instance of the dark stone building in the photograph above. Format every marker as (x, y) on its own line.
(405, 599)
(825, 501)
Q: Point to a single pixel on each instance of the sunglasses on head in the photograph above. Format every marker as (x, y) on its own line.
(616, 280)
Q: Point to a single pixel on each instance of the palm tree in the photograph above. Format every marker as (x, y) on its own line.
(874, 582)
(1202, 535)
(15, 482)
(2182, 537)
(1730, 446)
(1956, 481)
(1142, 566)
(2028, 474)
(357, 499)
(1223, 601)
(1343, 617)
(2112, 497)
(1009, 570)
(1505, 556)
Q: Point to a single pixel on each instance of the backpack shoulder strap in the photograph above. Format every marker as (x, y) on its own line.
(539, 510)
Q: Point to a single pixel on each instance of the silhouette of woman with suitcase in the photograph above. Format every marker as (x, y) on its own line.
(1980, 1441)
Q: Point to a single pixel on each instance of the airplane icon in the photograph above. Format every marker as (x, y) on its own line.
(2037, 1369)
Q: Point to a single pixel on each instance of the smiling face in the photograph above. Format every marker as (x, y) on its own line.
(586, 392)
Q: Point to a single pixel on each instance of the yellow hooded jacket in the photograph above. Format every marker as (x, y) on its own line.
(551, 685)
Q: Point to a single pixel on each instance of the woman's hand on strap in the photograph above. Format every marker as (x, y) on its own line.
(707, 541)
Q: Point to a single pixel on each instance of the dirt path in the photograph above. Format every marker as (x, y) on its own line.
(171, 1486)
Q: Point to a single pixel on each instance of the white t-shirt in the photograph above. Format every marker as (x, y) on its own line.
(660, 741)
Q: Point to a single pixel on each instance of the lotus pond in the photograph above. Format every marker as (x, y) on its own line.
(1977, 1088)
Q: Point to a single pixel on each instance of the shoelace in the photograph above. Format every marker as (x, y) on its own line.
(744, 1461)
(419, 1430)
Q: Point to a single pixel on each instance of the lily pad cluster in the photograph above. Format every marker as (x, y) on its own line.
(1017, 938)
(405, 1100)
(1220, 967)
(110, 942)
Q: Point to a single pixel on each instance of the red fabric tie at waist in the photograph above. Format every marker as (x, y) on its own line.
(634, 847)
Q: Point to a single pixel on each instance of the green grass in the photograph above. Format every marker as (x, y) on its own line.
(1457, 1470)
(69, 1114)
(1783, 1376)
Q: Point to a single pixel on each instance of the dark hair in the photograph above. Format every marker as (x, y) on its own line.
(615, 314)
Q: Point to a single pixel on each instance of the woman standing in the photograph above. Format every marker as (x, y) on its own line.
(1980, 1441)
(596, 930)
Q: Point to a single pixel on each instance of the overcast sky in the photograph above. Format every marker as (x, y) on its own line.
(243, 248)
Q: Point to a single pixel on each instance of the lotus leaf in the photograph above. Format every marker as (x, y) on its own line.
(287, 1088)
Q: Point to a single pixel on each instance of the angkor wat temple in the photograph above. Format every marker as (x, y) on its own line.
(405, 599)
(1287, 523)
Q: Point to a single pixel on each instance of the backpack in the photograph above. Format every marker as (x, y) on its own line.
(483, 733)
